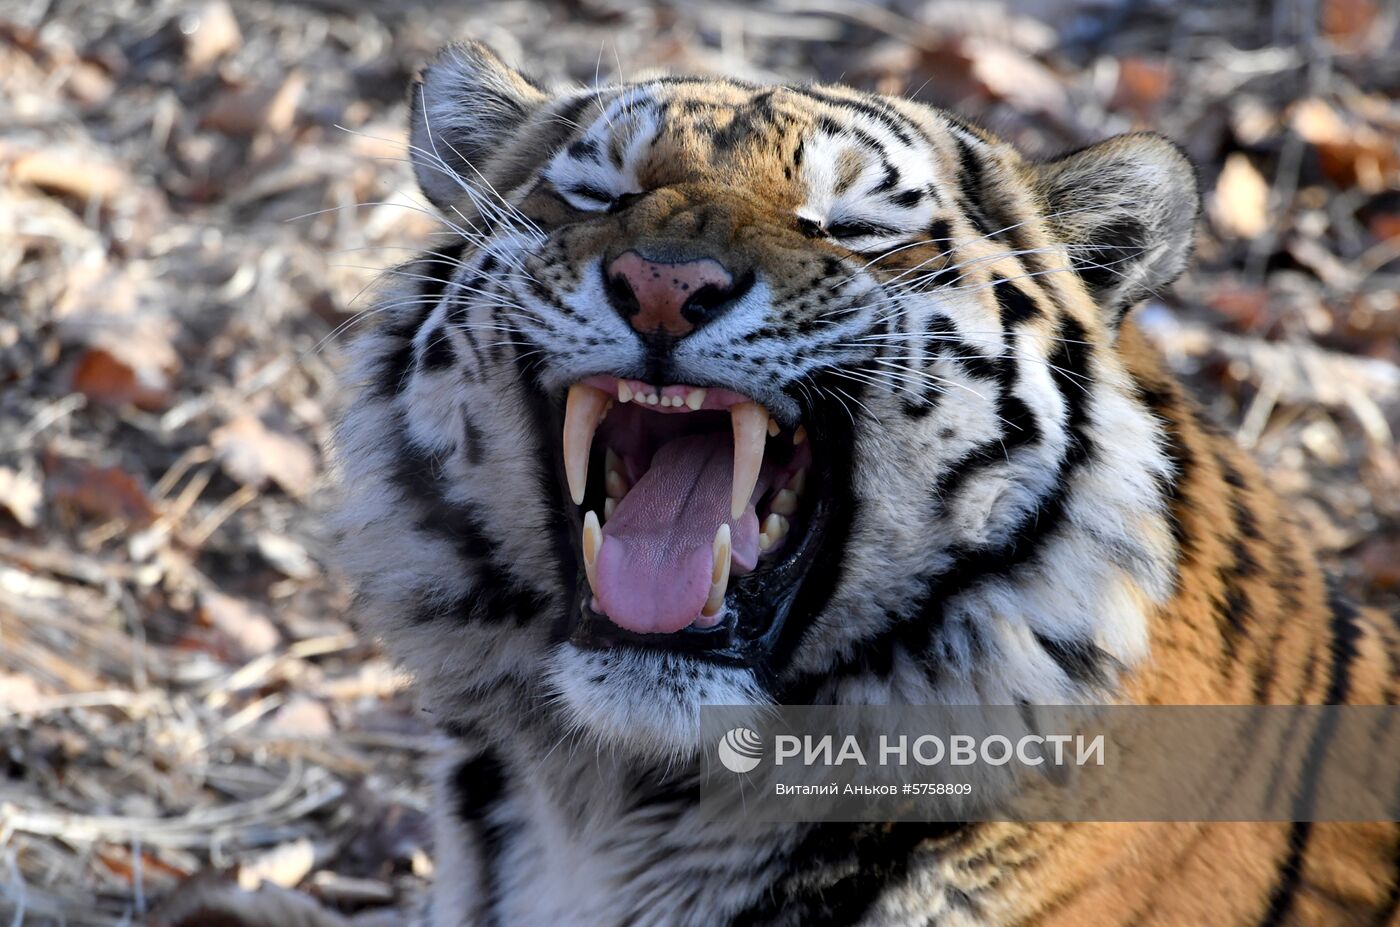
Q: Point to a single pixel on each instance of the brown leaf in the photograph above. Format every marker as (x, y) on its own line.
(1240, 206)
(1347, 22)
(1380, 562)
(70, 173)
(1385, 226)
(112, 381)
(258, 109)
(102, 493)
(1247, 308)
(1351, 151)
(130, 356)
(253, 454)
(1142, 84)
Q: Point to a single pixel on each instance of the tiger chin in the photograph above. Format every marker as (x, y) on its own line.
(722, 393)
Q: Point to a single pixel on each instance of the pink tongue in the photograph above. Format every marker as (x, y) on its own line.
(655, 564)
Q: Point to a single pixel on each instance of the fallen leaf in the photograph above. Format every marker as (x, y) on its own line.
(241, 622)
(113, 381)
(211, 32)
(103, 493)
(301, 717)
(1350, 150)
(285, 864)
(1012, 75)
(1380, 562)
(1385, 226)
(70, 173)
(1247, 308)
(254, 110)
(21, 495)
(253, 454)
(130, 355)
(1240, 206)
(1347, 22)
(1142, 84)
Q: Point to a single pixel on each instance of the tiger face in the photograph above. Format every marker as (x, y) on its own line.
(736, 394)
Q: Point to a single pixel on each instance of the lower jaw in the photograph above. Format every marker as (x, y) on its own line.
(756, 612)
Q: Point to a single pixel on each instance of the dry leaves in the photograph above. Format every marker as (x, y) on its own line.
(255, 455)
(93, 492)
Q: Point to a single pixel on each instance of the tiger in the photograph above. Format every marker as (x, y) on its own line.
(726, 393)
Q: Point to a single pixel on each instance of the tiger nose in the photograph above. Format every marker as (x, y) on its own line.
(659, 298)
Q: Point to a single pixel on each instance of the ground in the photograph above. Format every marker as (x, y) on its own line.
(193, 198)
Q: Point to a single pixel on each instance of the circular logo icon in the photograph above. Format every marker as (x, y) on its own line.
(741, 750)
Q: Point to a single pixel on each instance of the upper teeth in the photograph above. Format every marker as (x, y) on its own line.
(586, 406)
(583, 411)
(750, 421)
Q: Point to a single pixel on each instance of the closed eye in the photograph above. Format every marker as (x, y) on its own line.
(859, 228)
(588, 197)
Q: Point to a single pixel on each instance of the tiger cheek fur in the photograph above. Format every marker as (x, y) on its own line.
(996, 494)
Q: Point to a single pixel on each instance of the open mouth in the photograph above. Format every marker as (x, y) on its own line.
(696, 516)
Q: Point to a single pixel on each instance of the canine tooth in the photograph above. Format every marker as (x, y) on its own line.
(609, 506)
(750, 421)
(775, 526)
(799, 435)
(719, 573)
(592, 541)
(624, 392)
(617, 485)
(798, 483)
(695, 399)
(773, 428)
(583, 411)
(785, 502)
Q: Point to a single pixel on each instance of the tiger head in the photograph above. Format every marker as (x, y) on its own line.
(738, 394)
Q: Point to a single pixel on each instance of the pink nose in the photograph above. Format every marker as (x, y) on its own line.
(673, 299)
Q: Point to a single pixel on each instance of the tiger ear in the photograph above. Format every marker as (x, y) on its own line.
(464, 105)
(1127, 208)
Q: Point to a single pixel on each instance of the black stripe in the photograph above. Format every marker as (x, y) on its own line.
(839, 871)
(585, 149)
(497, 595)
(1015, 306)
(480, 786)
(1082, 661)
(900, 127)
(1345, 632)
(570, 111)
(437, 350)
(972, 180)
(908, 199)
